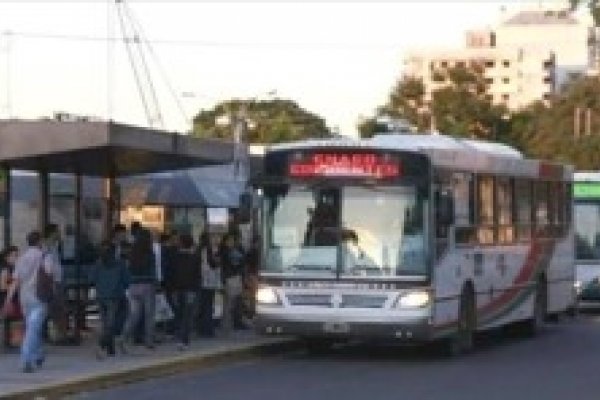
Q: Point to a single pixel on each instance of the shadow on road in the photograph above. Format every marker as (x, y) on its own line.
(487, 342)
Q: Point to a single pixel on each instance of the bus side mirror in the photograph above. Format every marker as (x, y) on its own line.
(445, 214)
(244, 212)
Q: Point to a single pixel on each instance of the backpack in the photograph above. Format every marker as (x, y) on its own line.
(44, 285)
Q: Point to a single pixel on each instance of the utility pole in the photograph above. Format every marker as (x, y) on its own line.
(240, 131)
(588, 121)
(576, 120)
(8, 49)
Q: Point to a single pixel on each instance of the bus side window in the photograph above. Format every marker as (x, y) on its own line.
(504, 209)
(523, 209)
(486, 215)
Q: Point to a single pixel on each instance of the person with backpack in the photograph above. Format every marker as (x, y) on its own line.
(111, 279)
(33, 280)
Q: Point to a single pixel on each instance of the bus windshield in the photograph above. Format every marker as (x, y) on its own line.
(587, 230)
(353, 231)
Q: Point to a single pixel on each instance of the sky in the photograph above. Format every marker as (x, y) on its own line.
(338, 59)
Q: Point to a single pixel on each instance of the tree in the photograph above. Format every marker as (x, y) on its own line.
(269, 121)
(592, 5)
(460, 108)
(547, 132)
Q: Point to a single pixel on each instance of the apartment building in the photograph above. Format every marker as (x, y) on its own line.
(524, 59)
(513, 77)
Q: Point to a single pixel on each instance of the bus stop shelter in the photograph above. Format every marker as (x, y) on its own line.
(98, 149)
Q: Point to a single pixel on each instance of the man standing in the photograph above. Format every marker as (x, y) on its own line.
(25, 279)
(121, 248)
(52, 260)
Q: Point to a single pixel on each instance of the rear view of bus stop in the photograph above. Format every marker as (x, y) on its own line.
(104, 151)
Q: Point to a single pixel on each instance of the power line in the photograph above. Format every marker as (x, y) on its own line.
(192, 42)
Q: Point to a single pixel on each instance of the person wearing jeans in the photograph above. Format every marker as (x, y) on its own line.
(142, 289)
(25, 281)
(32, 348)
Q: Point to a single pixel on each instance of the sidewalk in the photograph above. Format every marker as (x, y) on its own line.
(75, 369)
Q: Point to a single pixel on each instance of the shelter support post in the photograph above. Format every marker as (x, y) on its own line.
(43, 200)
(7, 207)
(81, 284)
(110, 189)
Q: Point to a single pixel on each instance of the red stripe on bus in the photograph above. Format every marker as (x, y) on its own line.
(525, 274)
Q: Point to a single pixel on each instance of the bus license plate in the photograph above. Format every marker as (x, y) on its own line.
(336, 327)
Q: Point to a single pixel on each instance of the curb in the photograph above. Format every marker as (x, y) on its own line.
(166, 367)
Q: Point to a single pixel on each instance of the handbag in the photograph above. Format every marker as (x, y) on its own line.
(12, 310)
(44, 285)
(162, 310)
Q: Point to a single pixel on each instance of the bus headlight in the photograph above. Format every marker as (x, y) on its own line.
(414, 299)
(266, 295)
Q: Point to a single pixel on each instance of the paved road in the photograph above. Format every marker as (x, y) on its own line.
(562, 363)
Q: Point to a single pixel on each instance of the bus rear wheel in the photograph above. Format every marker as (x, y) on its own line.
(531, 327)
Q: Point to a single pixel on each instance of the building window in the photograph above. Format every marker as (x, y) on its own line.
(489, 97)
(547, 96)
(505, 97)
(444, 64)
(548, 64)
(460, 64)
(489, 63)
(506, 63)
(547, 79)
(489, 80)
(505, 80)
(438, 76)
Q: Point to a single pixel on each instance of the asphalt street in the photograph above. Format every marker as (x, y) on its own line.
(563, 362)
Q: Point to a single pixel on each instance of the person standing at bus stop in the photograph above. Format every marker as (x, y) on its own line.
(142, 290)
(186, 277)
(57, 308)
(232, 261)
(7, 269)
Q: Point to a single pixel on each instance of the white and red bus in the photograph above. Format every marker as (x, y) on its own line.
(411, 238)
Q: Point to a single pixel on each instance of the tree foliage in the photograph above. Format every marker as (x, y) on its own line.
(592, 5)
(269, 121)
(459, 108)
(548, 132)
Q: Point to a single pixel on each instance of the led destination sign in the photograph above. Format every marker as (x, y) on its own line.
(352, 165)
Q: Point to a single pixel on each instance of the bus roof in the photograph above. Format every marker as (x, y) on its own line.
(587, 176)
(444, 151)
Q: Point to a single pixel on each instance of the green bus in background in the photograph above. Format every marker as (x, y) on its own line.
(586, 197)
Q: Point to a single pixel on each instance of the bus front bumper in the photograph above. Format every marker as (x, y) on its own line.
(415, 328)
